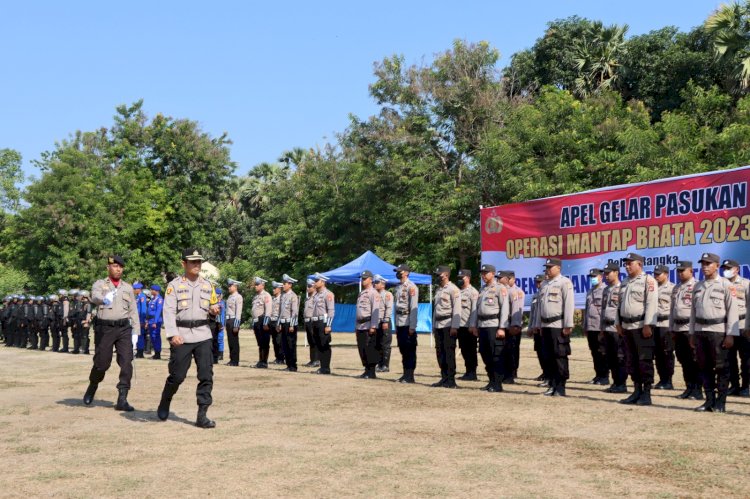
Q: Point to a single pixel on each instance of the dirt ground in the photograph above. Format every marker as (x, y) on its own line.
(300, 434)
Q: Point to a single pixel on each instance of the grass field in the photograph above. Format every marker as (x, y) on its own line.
(299, 434)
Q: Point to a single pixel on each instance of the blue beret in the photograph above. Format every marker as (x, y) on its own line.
(137, 285)
(156, 287)
(218, 291)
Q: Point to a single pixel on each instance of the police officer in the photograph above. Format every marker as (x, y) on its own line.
(75, 318)
(592, 318)
(189, 304)
(491, 321)
(307, 316)
(731, 270)
(65, 319)
(407, 311)
(714, 324)
(287, 322)
(663, 342)
(85, 326)
(366, 325)
(217, 328)
(155, 319)
(261, 309)
(118, 320)
(555, 319)
(614, 342)
(324, 311)
(5, 318)
(141, 302)
(467, 335)
(384, 335)
(278, 347)
(234, 319)
(530, 331)
(56, 320)
(679, 325)
(446, 319)
(639, 302)
(516, 298)
(12, 321)
(47, 322)
(24, 316)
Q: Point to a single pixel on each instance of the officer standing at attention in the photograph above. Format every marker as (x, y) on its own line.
(87, 310)
(467, 335)
(65, 320)
(663, 342)
(287, 322)
(614, 342)
(366, 325)
(407, 310)
(639, 304)
(118, 320)
(679, 325)
(324, 310)
(446, 319)
(142, 305)
(278, 348)
(188, 307)
(714, 324)
(217, 328)
(384, 328)
(512, 350)
(592, 318)
(555, 319)
(261, 309)
(234, 319)
(155, 320)
(307, 316)
(738, 376)
(530, 331)
(493, 311)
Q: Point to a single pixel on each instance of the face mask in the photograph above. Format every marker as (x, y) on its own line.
(399, 275)
(728, 273)
(460, 283)
(594, 281)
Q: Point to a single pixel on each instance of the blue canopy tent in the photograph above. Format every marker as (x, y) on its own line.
(349, 274)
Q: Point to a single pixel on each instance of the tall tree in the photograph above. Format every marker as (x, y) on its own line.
(10, 176)
(599, 58)
(729, 26)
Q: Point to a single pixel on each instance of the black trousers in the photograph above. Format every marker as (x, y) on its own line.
(384, 341)
(712, 361)
(407, 345)
(686, 357)
(311, 341)
(234, 341)
(664, 353)
(512, 352)
(556, 348)
(367, 344)
(538, 349)
(43, 336)
(597, 355)
(322, 342)
(119, 339)
(34, 334)
(64, 337)
(279, 351)
(262, 336)
(445, 350)
(22, 334)
(55, 327)
(215, 328)
(491, 349)
(179, 363)
(288, 340)
(739, 373)
(614, 351)
(467, 342)
(639, 353)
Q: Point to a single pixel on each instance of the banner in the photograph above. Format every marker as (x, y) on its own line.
(664, 220)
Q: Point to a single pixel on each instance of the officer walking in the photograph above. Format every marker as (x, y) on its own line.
(234, 319)
(714, 324)
(324, 310)
(118, 320)
(663, 342)
(366, 325)
(555, 319)
(141, 302)
(407, 310)
(384, 328)
(491, 321)
(188, 307)
(278, 344)
(307, 316)
(639, 302)
(261, 309)
(287, 322)
(614, 342)
(679, 325)
(468, 334)
(446, 319)
(592, 318)
(155, 320)
(738, 376)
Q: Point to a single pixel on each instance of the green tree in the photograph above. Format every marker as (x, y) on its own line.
(10, 176)
(729, 27)
(12, 280)
(598, 58)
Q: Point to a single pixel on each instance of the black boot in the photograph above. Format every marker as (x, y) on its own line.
(720, 405)
(156, 356)
(440, 383)
(560, 389)
(88, 397)
(469, 376)
(408, 376)
(688, 390)
(139, 353)
(202, 421)
(166, 399)
(490, 382)
(551, 390)
(496, 384)
(697, 393)
(708, 405)
(633, 398)
(122, 401)
(645, 398)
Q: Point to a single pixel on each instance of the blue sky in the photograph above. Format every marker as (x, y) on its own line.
(272, 75)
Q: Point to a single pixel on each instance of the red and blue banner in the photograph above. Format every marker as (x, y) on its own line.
(664, 220)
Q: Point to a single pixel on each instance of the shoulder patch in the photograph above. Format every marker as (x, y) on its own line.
(733, 290)
(412, 291)
(503, 291)
(329, 297)
(169, 290)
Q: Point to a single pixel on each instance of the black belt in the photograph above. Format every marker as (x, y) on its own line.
(742, 316)
(363, 320)
(548, 320)
(402, 312)
(487, 317)
(608, 322)
(631, 320)
(192, 324)
(681, 322)
(117, 323)
(662, 317)
(442, 317)
(709, 322)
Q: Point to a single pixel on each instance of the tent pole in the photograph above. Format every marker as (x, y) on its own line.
(432, 336)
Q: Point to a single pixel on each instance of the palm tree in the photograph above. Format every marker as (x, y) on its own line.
(598, 58)
(730, 28)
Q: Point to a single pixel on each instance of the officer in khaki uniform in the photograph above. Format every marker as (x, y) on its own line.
(366, 325)
(613, 341)
(384, 328)
(538, 282)
(189, 303)
(324, 311)
(234, 319)
(663, 342)
(307, 315)
(555, 319)
(714, 324)
(278, 348)
(446, 319)
(679, 325)
(468, 335)
(592, 318)
(491, 321)
(407, 311)
(739, 376)
(261, 309)
(639, 302)
(119, 323)
(287, 323)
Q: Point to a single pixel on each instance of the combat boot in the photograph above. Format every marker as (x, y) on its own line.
(496, 384)
(708, 405)
(88, 397)
(202, 420)
(688, 390)
(551, 390)
(122, 401)
(450, 383)
(408, 376)
(697, 393)
(645, 398)
(720, 405)
(166, 399)
(559, 390)
(633, 398)
(469, 376)
(139, 353)
(156, 356)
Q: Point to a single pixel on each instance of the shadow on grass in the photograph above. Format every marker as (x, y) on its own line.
(79, 403)
(151, 417)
